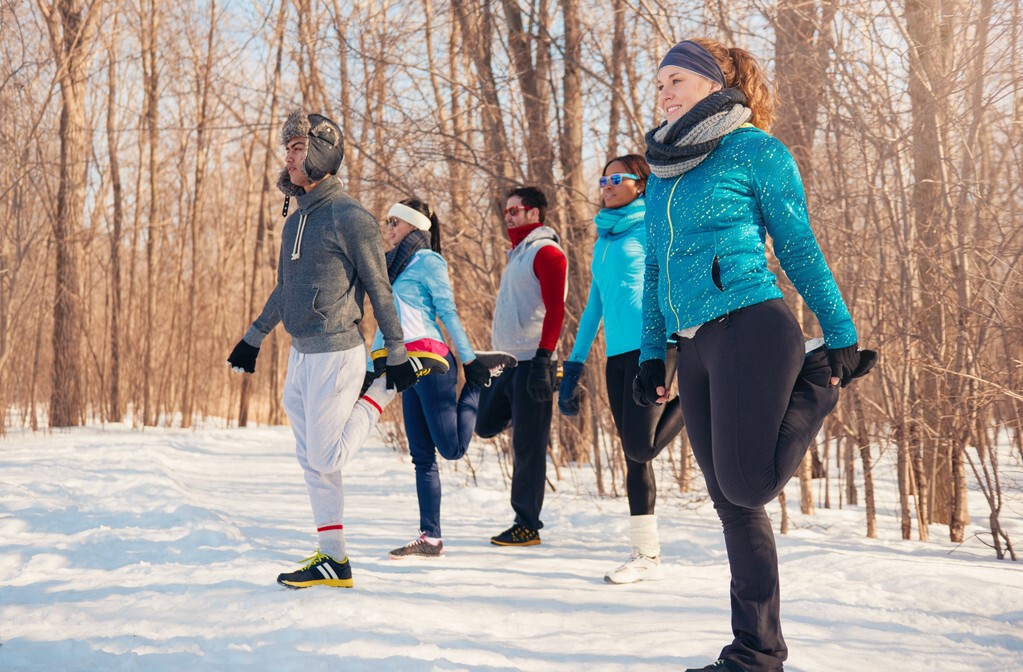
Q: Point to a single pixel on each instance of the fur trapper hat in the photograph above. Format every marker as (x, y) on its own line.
(325, 148)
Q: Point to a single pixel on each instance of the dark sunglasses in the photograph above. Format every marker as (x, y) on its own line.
(393, 222)
(516, 209)
(616, 179)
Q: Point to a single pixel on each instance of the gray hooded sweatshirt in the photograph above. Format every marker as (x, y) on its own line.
(331, 257)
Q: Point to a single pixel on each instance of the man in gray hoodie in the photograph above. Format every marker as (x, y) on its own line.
(331, 257)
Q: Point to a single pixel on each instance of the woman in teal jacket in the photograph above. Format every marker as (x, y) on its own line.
(752, 398)
(616, 299)
(437, 420)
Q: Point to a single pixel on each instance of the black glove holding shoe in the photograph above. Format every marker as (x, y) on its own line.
(400, 377)
(850, 363)
(243, 358)
(540, 383)
(644, 386)
(476, 373)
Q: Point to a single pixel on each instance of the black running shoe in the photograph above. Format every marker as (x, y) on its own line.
(420, 548)
(517, 535)
(496, 361)
(720, 665)
(319, 570)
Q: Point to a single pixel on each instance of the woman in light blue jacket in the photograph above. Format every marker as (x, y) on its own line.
(436, 419)
(616, 299)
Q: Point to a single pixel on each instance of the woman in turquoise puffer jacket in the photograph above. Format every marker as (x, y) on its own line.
(753, 399)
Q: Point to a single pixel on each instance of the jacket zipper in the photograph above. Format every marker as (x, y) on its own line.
(671, 240)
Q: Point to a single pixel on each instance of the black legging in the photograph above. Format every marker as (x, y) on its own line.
(752, 404)
(644, 431)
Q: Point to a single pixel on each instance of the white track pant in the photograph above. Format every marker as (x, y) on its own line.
(321, 398)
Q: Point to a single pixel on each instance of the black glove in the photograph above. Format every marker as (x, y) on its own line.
(366, 382)
(540, 383)
(400, 377)
(849, 363)
(568, 391)
(476, 373)
(243, 358)
(645, 384)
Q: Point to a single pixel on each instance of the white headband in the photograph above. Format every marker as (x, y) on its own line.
(410, 215)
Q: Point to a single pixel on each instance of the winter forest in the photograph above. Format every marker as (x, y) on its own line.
(139, 220)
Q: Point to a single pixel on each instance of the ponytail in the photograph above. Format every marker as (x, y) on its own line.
(424, 208)
(743, 72)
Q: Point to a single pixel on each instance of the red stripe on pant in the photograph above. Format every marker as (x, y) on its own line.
(327, 528)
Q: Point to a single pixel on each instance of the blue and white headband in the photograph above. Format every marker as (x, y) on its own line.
(694, 57)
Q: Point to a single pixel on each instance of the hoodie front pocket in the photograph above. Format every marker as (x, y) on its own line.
(299, 314)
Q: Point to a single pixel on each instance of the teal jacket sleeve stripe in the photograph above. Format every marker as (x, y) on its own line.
(589, 323)
(779, 191)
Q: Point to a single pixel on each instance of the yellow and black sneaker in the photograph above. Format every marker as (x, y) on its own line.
(517, 535)
(319, 570)
(424, 362)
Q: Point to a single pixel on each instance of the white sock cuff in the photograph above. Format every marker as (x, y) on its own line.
(643, 535)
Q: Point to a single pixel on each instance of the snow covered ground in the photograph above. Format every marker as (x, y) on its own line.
(157, 551)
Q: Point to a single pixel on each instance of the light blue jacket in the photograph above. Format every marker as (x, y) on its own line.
(422, 293)
(706, 233)
(616, 294)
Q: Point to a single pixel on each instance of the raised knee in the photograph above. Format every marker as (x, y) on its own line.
(746, 498)
(641, 454)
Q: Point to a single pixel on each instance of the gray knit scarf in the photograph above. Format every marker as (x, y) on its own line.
(673, 149)
(400, 256)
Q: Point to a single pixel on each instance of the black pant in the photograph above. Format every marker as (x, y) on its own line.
(506, 403)
(644, 431)
(752, 404)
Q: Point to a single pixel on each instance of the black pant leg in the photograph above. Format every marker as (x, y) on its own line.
(714, 371)
(531, 432)
(644, 431)
(494, 410)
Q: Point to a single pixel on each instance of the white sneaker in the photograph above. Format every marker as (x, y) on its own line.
(639, 568)
(812, 344)
(378, 395)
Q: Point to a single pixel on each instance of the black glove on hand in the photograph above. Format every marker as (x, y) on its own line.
(540, 383)
(849, 363)
(366, 382)
(568, 391)
(243, 358)
(645, 384)
(400, 377)
(476, 373)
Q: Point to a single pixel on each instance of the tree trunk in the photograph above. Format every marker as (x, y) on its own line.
(115, 412)
(151, 86)
(71, 28)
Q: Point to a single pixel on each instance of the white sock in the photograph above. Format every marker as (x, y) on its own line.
(378, 396)
(332, 541)
(643, 535)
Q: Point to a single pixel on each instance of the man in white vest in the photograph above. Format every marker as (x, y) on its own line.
(527, 323)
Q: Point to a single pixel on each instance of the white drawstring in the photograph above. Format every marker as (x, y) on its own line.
(296, 252)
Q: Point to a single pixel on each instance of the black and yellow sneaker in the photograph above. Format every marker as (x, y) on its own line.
(319, 570)
(517, 535)
(424, 362)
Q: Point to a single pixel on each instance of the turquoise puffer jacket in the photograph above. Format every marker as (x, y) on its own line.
(705, 242)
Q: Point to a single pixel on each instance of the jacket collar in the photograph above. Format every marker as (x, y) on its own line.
(325, 190)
